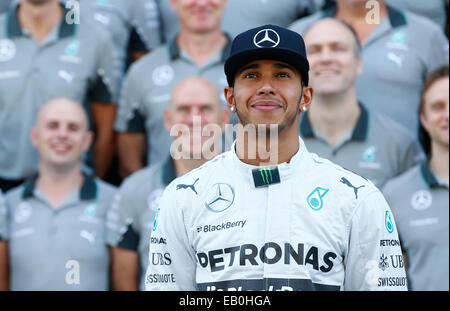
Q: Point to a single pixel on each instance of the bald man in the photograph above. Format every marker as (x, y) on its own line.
(56, 219)
(195, 107)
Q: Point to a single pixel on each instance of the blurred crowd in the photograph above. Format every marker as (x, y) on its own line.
(92, 90)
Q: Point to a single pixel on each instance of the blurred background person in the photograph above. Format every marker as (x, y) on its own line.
(242, 15)
(420, 199)
(338, 126)
(56, 219)
(199, 49)
(44, 54)
(436, 10)
(4, 5)
(131, 217)
(399, 49)
(4, 269)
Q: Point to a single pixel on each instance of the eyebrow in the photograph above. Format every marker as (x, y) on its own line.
(276, 65)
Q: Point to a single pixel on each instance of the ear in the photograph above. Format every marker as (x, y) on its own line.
(34, 137)
(225, 119)
(306, 99)
(359, 66)
(167, 120)
(89, 138)
(173, 5)
(423, 121)
(229, 97)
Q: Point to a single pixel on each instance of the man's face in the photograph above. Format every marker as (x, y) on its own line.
(196, 105)
(434, 116)
(331, 52)
(61, 134)
(39, 2)
(199, 16)
(267, 92)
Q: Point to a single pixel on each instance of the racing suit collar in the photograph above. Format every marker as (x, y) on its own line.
(286, 170)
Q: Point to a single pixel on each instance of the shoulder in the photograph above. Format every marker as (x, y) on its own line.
(399, 182)
(301, 25)
(146, 63)
(206, 173)
(145, 179)
(105, 189)
(382, 125)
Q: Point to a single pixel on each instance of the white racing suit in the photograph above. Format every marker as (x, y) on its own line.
(320, 227)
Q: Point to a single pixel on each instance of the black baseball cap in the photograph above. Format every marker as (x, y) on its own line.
(267, 42)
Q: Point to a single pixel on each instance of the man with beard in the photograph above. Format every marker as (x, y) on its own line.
(269, 215)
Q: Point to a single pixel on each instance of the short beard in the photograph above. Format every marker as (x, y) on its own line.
(281, 127)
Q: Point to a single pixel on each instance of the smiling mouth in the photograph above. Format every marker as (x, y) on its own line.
(266, 106)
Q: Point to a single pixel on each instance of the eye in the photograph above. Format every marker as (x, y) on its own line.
(283, 75)
(52, 125)
(249, 75)
(73, 127)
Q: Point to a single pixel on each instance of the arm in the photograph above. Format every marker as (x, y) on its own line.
(374, 257)
(170, 238)
(4, 266)
(105, 141)
(125, 269)
(131, 150)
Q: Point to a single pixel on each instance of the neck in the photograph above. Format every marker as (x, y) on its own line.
(183, 166)
(40, 19)
(201, 47)
(58, 183)
(335, 116)
(439, 161)
(363, 20)
(265, 151)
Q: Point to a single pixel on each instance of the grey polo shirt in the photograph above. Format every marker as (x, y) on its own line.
(397, 57)
(434, 10)
(119, 17)
(63, 248)
(3, 226)
(420, 204)
(131, 216)
(147, 89)
(74, 61)
(241, 15)
(4, 5)
(378, 148)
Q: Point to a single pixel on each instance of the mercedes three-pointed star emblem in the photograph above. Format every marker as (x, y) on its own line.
(266, 38)
(220, 197)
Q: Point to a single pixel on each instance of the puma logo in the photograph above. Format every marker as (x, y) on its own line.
(347, 183)
(183, 186)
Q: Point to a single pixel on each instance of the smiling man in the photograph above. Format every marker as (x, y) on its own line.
(338, 126)
(293, 221)
(56, 231)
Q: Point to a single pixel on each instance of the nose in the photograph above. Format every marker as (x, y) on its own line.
(266, 87)
(325, 55)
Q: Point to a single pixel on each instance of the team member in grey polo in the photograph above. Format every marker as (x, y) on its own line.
(434, 10)
(120, 18)
(130, 219)
(149, 82)
(242, 15)
(397, 55)
(420, 197)
(338, 128)
(73, 60)
(56, 220)
(2, 217)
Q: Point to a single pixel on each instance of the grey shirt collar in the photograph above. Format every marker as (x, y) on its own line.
(88, 190)
(14, 29)
(359, 132)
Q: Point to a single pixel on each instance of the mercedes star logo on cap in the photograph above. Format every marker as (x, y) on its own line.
(266, 35)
